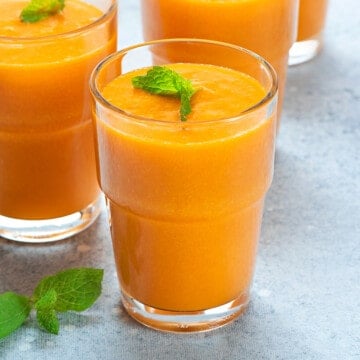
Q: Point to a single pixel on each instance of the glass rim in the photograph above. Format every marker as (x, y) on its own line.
(96, 92)
(68, 34)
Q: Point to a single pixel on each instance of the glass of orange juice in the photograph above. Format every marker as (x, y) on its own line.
(267, 27)
(312, 16)
(185, 198)
(48, 186)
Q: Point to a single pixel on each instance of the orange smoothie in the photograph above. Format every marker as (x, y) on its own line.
(47, 161)
(312, 16)
(267, 27)
(186, 198)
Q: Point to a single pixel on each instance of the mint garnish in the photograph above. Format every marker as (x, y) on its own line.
(73, 289)
(160, 80)
(41, 9)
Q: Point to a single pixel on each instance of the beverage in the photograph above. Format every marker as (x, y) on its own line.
(265, 27)
(312, 15)
(48, 186)
(185, 199)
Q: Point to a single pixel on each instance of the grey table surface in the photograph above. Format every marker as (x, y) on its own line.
(306, 293)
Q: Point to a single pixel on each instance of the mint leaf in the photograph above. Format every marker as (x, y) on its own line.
(48, 320)
(76, 289)
(47, 301)
(45, 313)
(14, 310)
(185, 96)
(41, 9)
(160, 80)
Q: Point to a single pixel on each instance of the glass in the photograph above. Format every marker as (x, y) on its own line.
(48, 186)
(185, 249)
(312, 16)
(265, 27)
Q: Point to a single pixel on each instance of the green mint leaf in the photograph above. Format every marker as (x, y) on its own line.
(41, 9)
(48, 320)
(14, 310)
(76, 289)
(160, 80)
(45, 313)
(185, 108)
(47, 300)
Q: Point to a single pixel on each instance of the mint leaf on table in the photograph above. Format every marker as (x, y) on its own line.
(45, 313)
(47, 300)
(160, 80)
(48, 320)
(14, 310)
(41, 9)
(76, 289)
(73, 289)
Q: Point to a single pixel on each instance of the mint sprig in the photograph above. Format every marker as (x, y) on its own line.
(76, 290)
(73, 289)
(160, 80)
(41, 9)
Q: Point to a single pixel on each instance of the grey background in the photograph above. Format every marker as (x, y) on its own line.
(306, 294)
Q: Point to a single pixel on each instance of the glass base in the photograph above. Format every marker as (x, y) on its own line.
(306, 50)
(185, 322)
(42, 231)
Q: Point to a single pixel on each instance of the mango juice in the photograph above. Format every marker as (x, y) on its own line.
(267, 27)
(47, 161)
(185, 199)
(312, 16)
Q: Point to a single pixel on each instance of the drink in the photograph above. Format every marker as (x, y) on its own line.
(185, 199)
(48, 187)
(265, 27)
(312, 15)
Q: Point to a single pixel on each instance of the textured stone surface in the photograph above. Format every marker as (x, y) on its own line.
(306, 295)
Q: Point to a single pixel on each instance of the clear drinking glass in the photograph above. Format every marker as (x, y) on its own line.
(185, 199)
(48, 186)
(312, 16)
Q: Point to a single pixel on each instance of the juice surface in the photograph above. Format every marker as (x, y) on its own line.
(208, 103)
(47, 161)
(267, 27)
(312, 17)
(75, 15)
(186, 199)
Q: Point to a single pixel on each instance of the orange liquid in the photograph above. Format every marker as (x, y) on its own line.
(47, 161)
(311, 18)
(267, 27)
(186, 199)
